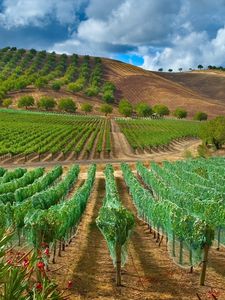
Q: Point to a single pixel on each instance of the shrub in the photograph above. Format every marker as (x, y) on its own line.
(106, 109)
(40, 82)
(92, 91)
(161, 110)
(56, 86)
(214, 132)
(86, 107)
(180, 113)
(143, 110)
(125, 108)
(46, 102)
(108, 96)
(7, 102)
(67, 104)
(200, 116)
(26, 101)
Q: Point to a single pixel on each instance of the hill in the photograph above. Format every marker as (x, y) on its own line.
(89, 79)
(195, 91)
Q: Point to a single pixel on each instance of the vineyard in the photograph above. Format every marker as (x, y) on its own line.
(174, 211)
(48, 137)
(147, 134)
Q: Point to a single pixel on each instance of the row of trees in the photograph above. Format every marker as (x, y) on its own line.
(144, 110)
(200, 67)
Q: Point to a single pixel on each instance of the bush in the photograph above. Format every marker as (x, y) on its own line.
(200, 116)
(86, 107)
(213, 132)
(161, 110)
(143, 110)
(46, 103)
(56, 86)
(26, 101)
(125, 108)
(7, 102)
(108, 96)
(67, 104)
(92, 91)
(106, 109)
(40, 82)
(180, 113)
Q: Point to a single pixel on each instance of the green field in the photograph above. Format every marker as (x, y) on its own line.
(27, 133)
(147, 133)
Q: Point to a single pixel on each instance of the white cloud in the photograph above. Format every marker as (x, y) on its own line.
(189, 51)
(37, 12)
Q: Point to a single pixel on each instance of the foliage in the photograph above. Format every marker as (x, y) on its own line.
(46, 102)
(143, 110)
(41, 82)
(161, 110)
(56, 86)
(180, 113)
(86, 107)
(7, 102)
(67, 104)
(106, 109)
(200, 116)
(26, 101)
(125, 108)
(214, 132)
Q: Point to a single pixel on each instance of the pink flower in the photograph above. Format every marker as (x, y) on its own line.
(41, 265)
(26, 262)
(46, 252)
(39, 286)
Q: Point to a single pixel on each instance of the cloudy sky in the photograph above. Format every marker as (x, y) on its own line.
(148, 33)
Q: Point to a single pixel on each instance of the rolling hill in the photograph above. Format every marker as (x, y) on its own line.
(194, 91)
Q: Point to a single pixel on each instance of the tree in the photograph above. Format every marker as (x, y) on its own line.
(106, 109)
(56, 86)
(161, 110)
(170, 70)
(214, 132)
(180, 113)
(7, 102)
(67, 104)
(86, 107)
(125, 108)
(160, 69)
(200, 116)
(108, 96)
(26, 101)
(40, 82)
(143, 110)
(180, 69)
(200, 67)
(92, 90)
(46, 102)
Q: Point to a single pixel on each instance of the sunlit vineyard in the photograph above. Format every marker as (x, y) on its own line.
(36, 136)
(147, 133)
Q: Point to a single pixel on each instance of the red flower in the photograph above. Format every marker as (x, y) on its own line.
(43, 244)
(26, 262)
(46, 252)
(39, 286)
(41, 265)
(70, 284)
(10, 261)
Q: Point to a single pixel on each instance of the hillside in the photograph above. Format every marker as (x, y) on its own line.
(87, 79)
(194, 91)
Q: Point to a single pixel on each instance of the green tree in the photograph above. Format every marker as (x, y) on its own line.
(143, 110)
(200, 116)
(180, 113)
(7, 102)
(92, 90)
(26, 101)
(108, 96)
(40, 83)
(170, 70)
(67, 104)
(106, 109)
(125, 108)
(86, 107)
(161, 110)
(46, 102)
(160, 69)
(200, 67)
(56, 86)
(214, 132)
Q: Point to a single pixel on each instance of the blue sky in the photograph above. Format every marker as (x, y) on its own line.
(147, 33)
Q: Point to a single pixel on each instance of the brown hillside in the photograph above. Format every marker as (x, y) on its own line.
(191, 93)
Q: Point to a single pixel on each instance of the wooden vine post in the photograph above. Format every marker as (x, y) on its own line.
(118, 264)
(204, 264)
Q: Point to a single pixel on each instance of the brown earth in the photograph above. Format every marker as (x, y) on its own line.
(194, 91)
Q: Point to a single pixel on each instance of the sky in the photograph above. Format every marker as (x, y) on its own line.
(152, 34)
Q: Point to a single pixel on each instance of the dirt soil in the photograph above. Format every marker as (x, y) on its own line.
(149, 272)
